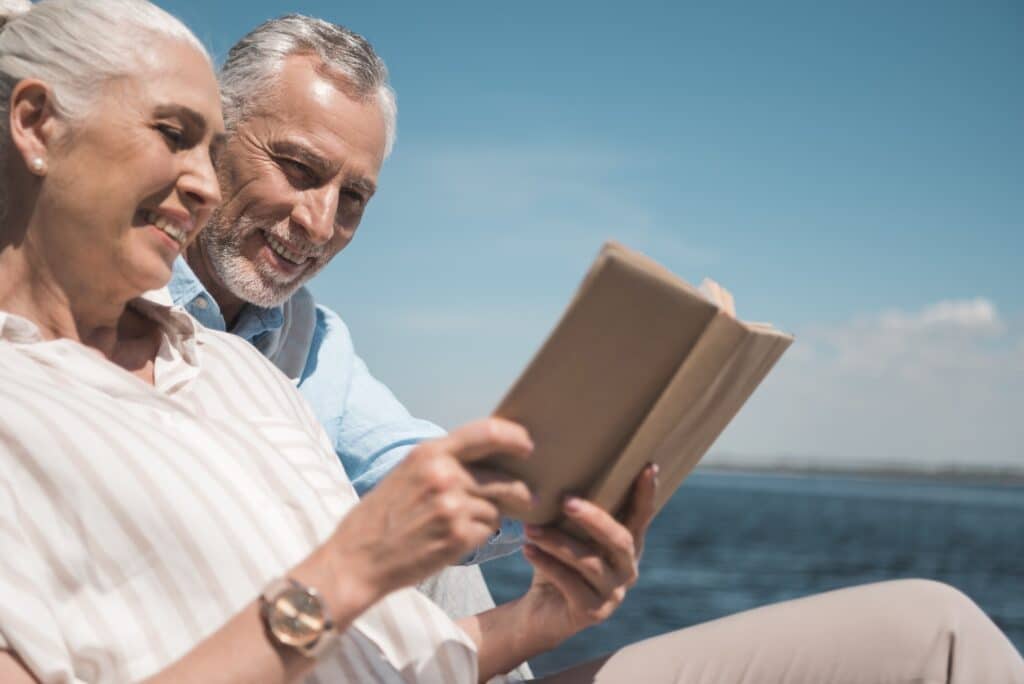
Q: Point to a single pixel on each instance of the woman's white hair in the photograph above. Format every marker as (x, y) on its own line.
(75, 46)
(248, 72)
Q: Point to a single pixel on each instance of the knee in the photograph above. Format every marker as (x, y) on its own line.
(947, 631)
(941, 606)
(936, 593)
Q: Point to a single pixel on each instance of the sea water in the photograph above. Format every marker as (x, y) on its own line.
(728, 542)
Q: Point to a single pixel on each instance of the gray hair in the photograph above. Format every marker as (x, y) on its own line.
(251, 65)
(75, 46)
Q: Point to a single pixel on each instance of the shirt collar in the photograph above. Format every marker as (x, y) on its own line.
(179, 329)
(187, 291)
(18, 330)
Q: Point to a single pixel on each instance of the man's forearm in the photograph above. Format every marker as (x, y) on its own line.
(505, 638)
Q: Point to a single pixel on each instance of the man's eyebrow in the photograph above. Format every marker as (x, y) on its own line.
(322, 166)
(190, 115)
(364, 185)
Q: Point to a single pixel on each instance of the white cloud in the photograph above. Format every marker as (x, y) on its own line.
(978, 314)
(935, 388)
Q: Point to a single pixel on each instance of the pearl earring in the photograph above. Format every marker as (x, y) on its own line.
(38, 165)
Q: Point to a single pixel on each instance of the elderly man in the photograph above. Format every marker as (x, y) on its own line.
(311, 118)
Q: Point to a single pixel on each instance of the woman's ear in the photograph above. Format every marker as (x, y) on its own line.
(33, 123)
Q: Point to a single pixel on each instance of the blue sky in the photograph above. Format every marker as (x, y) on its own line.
(853, 172)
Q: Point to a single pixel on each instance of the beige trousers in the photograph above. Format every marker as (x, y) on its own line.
(899, 632)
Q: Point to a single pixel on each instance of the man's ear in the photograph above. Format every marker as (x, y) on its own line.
(33, 122)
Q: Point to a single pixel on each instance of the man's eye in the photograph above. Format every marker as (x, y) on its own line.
(297, 171)
(354, 197)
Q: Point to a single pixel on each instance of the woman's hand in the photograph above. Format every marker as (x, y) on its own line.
(577, 584)
(431, 510)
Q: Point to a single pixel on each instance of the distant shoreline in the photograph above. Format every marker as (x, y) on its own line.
(950, 475)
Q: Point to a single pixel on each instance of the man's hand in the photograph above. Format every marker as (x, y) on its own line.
(431, 510)
(577, 584)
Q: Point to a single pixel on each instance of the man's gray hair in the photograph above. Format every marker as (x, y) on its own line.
(249, 70)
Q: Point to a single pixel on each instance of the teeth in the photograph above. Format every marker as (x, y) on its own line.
(163, 224)
(283, 251)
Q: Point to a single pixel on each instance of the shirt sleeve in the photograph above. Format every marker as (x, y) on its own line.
(507, 540)
(28, 623)
(371, 430)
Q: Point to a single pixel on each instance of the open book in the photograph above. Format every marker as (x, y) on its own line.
(641, 368)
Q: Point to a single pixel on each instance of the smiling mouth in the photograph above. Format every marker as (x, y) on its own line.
(167, 226)
(281, 250)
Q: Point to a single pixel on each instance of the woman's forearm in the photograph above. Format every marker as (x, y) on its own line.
(217, 658)
(237, 652)
(242, 650)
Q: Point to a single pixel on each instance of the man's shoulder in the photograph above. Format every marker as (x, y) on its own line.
(331, 329)
(325, 316)
(321, 335)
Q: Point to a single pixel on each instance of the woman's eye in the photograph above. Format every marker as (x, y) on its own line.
(174, 136)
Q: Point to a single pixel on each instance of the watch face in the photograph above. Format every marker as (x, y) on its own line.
(297, 617)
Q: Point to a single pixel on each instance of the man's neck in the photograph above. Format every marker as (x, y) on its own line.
(230, 305)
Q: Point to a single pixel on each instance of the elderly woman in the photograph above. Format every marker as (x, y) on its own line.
(169, 507)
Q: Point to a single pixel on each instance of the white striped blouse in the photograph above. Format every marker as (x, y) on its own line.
(135, 520)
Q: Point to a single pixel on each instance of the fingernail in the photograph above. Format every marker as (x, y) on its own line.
(573, 504)
(655, 469)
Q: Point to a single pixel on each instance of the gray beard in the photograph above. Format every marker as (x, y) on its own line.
(250, 281)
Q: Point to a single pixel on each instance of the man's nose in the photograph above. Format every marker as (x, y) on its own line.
(315, 213)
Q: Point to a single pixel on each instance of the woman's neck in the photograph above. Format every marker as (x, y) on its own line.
(78, 311)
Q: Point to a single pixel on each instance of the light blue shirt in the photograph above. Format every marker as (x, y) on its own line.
(370, 429)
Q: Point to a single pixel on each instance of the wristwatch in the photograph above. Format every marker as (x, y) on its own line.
(296, 617)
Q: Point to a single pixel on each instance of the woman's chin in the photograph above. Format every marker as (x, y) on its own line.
(155, 275)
